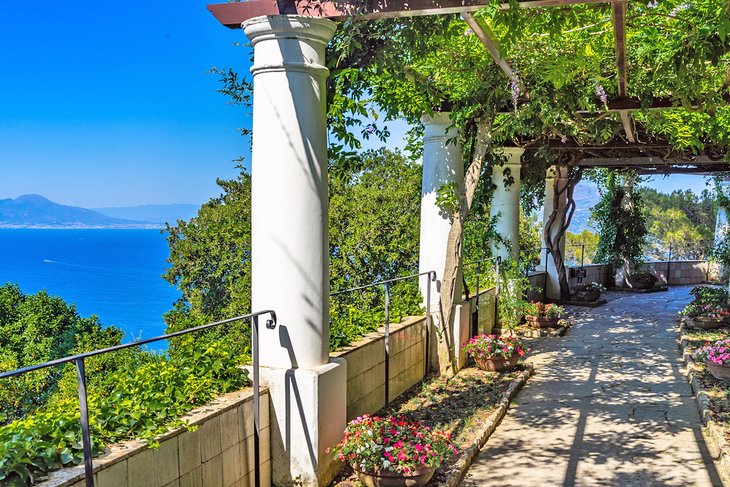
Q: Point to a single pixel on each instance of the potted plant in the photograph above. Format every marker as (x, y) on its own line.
(588, 292)
(542, 315)
(706, 316)
(716, 357)
(393, 452)
(642, 280)
(494, 352)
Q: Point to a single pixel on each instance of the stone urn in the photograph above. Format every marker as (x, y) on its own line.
(542, 321)
(386, 478)
(705, 323)
(719, 372)
(497, 364)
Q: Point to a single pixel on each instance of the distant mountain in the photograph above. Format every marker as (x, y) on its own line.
(152, 213)
(586, 196)
(35, 211)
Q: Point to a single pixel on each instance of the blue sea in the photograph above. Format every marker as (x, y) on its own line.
(114, 274)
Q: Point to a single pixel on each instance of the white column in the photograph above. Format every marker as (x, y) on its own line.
(290, 244)
(722, 227)
(442, 164)
(506, 203)
(552, 284)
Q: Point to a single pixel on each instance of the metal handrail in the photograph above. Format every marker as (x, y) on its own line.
(81, 380)
(431, 278)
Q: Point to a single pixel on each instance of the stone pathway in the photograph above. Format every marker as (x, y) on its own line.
(607, 406)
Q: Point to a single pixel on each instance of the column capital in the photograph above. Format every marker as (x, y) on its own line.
(436, 126)
(513, 155)
(308, 38)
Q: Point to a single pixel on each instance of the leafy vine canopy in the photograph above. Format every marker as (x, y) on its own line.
(565, 60)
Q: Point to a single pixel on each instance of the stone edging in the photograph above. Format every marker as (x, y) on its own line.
(583, 304)
(545, 332)
(469, 453)
(639, 291)
(713, 433)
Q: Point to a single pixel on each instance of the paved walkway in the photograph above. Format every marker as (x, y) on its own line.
(607, 406)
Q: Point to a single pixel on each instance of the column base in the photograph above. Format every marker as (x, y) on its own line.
(308, 415)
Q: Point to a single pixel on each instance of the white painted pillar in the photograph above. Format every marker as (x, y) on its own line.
(506, 204)
(442, 164)
(552, 284)
(722, 227)
(290, 244)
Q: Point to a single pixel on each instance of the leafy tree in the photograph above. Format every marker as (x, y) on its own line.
(581, 247)
(38, 328)
(374, 232)
(682, 219)
(619, 216)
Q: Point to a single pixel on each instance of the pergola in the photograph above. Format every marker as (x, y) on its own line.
(289, 197)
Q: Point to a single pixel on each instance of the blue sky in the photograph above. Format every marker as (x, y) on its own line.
(111, 104)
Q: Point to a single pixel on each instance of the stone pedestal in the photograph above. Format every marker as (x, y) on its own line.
(554, 176)
(290, 248)
(505, 205)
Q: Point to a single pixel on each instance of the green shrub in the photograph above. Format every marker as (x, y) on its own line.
(143, 403)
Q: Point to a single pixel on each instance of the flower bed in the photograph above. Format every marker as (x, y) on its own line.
(464, 406)
(711, 393)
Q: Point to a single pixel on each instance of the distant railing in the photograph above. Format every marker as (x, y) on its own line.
(386, 289)
(78, 360)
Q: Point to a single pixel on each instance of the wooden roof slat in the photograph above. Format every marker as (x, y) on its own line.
(492, 47)
(655, 162)
(618, 15)
(233, 14)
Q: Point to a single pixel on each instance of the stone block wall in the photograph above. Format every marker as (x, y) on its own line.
(366, 365)
(594, 273)
(537, 281)
(219, 453)
(485, 314)
(682, 272)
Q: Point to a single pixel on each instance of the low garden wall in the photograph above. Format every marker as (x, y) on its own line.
(484, 316)
(681, 272)
(366, 365)
(219, 452)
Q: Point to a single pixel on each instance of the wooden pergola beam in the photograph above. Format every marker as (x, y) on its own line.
(618, 14)
(233, 14)
(487, 39)
(649, 162)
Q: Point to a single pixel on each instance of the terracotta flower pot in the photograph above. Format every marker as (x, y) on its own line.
(386, 478)
(496, 364)
(705, 323)
(541, 321)
(719, 372)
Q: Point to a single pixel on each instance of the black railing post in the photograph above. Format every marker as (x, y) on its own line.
(387, 344)
(85, 432)
(270, 324)
(475, 326)
(582, 253)
(497, 261)
(669, 262)
(431, 276)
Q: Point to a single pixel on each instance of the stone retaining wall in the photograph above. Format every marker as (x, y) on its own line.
(366, 365)
(680, 272)
(484, 316)
(218, 453)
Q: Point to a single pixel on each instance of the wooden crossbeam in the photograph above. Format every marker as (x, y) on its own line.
(233, 14)
(618, 14)
(490, 43)
(649, 162)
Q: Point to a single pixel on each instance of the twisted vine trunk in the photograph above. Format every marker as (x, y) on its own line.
(450, 284)
(561, 221)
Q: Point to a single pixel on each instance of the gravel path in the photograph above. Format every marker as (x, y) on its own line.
(607, 406)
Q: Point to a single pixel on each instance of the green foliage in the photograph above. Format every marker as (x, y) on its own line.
(38, 328)
(580, 247)
(513, 288)
(621, 222)
(374, 234)
(134, 403)
(682, 219)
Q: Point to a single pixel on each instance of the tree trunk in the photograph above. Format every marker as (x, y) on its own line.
(450, 284)
(561, 221)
